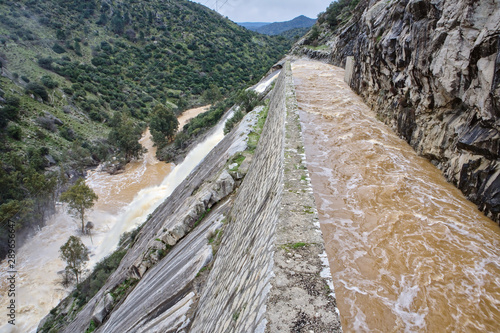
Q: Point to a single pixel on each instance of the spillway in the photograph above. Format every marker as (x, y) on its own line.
(407, 251)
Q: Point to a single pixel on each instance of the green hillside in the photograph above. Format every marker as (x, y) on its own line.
(294, 34)
(75, 71)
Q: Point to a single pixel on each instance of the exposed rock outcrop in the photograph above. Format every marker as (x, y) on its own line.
(431, 70)
(183, 221)
(102, 309)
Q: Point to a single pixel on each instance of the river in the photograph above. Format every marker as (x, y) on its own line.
(408, 252)
(125, 200)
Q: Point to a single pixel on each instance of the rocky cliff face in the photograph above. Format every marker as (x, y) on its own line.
(431, 70)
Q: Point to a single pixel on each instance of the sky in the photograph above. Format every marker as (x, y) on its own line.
(266, 10)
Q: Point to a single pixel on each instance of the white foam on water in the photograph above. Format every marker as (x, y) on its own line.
(39, 287)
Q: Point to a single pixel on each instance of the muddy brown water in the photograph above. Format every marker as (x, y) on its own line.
(116, 191)
(408, 252)
(125, 200)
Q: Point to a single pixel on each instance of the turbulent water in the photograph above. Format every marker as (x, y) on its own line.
(124, 202)
(117, 191)
(408, 252)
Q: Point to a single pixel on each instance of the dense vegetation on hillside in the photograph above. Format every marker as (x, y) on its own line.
(339, 12)
(79, 75)
(294, 34)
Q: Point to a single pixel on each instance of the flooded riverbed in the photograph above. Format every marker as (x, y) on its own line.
(408, 252)
(125, 200)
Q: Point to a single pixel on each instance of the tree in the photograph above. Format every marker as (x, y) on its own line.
(126, 136)
(163, 125)
(212, 94)
(314, 33)
(76, 255)
(248, 100)
(80, 198)
(40, 189)
(117, 24)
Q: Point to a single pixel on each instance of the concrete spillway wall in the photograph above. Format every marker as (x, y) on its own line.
(247, 258)
(259, 281)
(237, 289)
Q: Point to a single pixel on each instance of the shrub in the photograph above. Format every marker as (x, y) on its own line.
(60, 34)
(37, 90)
(58, 48)
(230, 123)
(49, 82)
(79, 93)
(45, 63)
(181, 140)
(14, 132)
(10, 110)
(46, 123)
(78, 48)
(68, 133)
(90, 87)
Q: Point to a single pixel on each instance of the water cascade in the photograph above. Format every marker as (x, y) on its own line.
(125, 200)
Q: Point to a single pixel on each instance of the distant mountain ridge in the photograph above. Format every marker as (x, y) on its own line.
(253, 26)
(277, 28)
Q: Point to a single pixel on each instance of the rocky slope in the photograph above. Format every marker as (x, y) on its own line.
(431, 70)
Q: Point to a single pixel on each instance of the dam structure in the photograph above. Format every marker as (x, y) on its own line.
(237, 247)
(311, 215)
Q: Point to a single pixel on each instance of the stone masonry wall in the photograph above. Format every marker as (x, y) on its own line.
(271, 273)
(234, 299)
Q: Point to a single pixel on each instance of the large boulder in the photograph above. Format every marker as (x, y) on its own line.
(102, 309)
